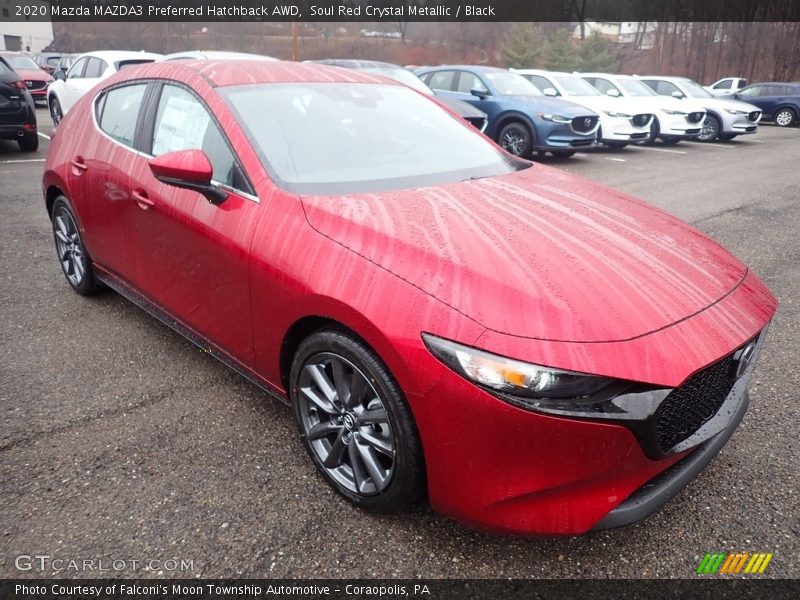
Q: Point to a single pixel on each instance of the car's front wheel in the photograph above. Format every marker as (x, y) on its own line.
(72, 255)
(710, 129)
(785, 117)
(55, 110)
(515, 138)
(355, 423)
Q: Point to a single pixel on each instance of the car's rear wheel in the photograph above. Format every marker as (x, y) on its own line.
(516, 138)
(710, 129)
(29, 142)
(355, 423)
(785, 117)
(55, 110)
(72, 255)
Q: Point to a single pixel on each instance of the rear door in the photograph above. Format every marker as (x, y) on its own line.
(762, 96)
(82, 80)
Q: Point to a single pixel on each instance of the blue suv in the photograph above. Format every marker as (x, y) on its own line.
(522, 120)
(780, 102)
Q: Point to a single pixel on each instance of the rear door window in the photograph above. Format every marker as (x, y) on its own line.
(443, 81)
(118, 111)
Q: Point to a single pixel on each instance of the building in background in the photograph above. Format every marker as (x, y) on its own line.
(27, 35)
(639, 33)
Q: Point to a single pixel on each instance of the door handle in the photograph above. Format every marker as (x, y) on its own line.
(79, 165)
(140, 196)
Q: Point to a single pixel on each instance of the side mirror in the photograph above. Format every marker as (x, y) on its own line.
(550, 92)
(60, 75)
(678, 95)
(613, 93)
(187, 169)
(479, 93)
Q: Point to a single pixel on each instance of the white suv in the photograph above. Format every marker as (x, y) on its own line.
(725, 117)
(675, 120)
(621, 121)
(86, 72)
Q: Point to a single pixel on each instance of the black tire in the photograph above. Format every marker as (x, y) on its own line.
(655, 129)
(516, 138)
(404, 472)
(29, 142)
(710, 128)
(65, 224)
(727, 137)
(670, 141)
(55, 110)
(785, 117)
(563, 153)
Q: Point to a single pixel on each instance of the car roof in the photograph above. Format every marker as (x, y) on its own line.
(118, 55)
(214, 55)
(354, 63)
(542, 72)
(221, 73)
(664, 77)
(476, 68)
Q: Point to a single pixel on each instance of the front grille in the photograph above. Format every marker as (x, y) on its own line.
(753, 116)
(584, 124)
(689, 406)
(641, 120)
(36, 85)
(695, 117)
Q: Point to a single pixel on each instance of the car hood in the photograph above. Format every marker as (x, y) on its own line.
(718, 104)
(461, 108)
(565, 108)
(604, 103)
(539, 253)
(33, 75)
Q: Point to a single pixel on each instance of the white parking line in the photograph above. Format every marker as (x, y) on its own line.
(45, 136)
(718, 145)
(25, 160)
(661, 150)
(614, 159)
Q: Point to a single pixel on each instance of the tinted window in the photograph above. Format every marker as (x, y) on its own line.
(540, 82)
(118, 111)
(442, 80)
(468, 82)
(183, 123)
(95, 68)
(77, 69)
(751, 92)
(126, 64)
(602, 85)
(511, 84)
(664, 88)
(4, 70)
(327, 138)
(723, 85)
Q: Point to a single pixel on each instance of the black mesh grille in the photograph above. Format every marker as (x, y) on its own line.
(753, 116)
(687, 407)
(36, 85)
(695, 117)
(584, 124)
(641, 120)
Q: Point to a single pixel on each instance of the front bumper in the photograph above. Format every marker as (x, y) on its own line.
(678, 126)
(617, 129)
(739, 124)
(558, 136)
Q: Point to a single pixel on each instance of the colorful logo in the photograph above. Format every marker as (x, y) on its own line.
(722, 563)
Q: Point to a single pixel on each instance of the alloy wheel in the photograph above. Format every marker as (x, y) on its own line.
(55, 111)
(784, 118)
(346, 424)
(70, 250)
(709, 130)
(514, 142)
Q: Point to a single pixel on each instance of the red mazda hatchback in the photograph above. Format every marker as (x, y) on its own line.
(532, 352)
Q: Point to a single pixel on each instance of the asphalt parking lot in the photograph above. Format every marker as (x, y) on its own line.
(121, 440)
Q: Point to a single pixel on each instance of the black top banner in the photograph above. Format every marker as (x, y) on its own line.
(404, 10)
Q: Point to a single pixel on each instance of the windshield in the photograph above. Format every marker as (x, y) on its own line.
(511, 84)
(401, 75)
(338, 138)
(21, 62)
(634, 87)
(695, 90)
(575, 86)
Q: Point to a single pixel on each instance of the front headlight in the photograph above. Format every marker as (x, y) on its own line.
(735, 111)
(620, 115)
(525, 381)
(554, 118)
